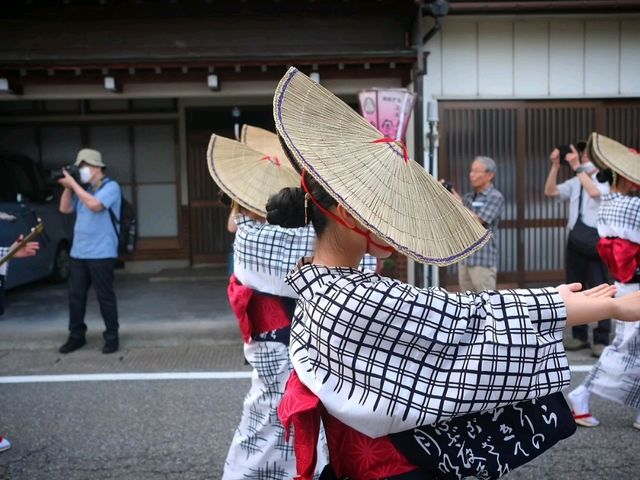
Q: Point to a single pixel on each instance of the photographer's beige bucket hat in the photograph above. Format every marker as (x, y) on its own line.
(90, 157)
(371, 176)
(607, 153)
(247, 175)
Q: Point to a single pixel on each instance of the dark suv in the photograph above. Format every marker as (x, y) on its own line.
(26, 196)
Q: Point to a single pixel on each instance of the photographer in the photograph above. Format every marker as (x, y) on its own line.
(95, 247)
(582, 261)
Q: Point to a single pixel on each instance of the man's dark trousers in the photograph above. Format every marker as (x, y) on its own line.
(590, 273)
(82, 275)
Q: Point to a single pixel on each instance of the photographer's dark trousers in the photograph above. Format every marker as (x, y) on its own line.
(590, 273)
(83, 274)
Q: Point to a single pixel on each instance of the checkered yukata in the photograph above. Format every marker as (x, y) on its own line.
(263, 255)
(3, 252)
(385, 357)
(616, 376)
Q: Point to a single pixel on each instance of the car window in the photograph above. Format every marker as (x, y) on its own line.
(20, 175)
(7, 184)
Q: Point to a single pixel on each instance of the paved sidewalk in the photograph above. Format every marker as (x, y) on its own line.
(171, 308)
(175, 320)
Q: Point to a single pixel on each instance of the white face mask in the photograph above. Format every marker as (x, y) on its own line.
(589, 167)
(85, 174)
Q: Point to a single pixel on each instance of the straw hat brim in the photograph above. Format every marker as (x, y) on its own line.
(607, 153)
(396, 199)
(249, 177)
(263, 141)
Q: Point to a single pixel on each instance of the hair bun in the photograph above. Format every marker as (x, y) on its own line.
(605, 176)
(286, 208)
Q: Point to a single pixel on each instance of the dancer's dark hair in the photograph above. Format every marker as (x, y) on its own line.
(287, 207)
(605, 176)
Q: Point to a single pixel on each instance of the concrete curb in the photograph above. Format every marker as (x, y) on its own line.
(156, 334)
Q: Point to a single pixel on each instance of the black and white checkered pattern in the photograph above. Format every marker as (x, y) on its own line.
(384, 356)
(619, 216)
(3, 267)
(270, 249)
(273, 250)
(490, 213)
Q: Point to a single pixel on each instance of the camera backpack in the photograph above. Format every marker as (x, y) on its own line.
(126, 228)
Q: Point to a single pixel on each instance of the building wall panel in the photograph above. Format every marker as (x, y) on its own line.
(531, 59)
(524, 58)
(602, 58)
(495, 58)
(566, 58)
(460, 54)
(630, 57)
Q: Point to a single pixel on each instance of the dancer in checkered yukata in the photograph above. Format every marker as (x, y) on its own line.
(262, 301)
(409, 382)
(616, 376)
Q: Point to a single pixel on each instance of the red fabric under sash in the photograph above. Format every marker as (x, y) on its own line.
(621, 256)
(256, 312)
(352, 454)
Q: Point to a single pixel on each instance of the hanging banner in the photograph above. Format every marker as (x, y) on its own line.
(389, 110)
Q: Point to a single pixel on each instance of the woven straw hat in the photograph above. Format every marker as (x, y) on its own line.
(377, 183)
(607, 153)
(247, 175)
(263, 141)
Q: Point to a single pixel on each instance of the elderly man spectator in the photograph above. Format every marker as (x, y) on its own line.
(479, 271)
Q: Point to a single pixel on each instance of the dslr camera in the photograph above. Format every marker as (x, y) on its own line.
(72, 170)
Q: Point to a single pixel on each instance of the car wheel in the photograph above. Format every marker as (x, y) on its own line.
(61, 263)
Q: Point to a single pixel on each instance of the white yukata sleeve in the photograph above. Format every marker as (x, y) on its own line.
(388, 357)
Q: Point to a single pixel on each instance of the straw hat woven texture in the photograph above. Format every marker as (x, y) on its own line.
(249, 176)
(607, 153)
(265, 142)
(388, 193)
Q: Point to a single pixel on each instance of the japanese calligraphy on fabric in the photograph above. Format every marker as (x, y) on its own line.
(490, 444)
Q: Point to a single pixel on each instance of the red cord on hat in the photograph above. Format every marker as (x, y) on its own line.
(366, 234)
(400, 143)
(633, 150)
(274, 160)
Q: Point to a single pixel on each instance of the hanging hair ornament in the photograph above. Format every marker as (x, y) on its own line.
(306, 208)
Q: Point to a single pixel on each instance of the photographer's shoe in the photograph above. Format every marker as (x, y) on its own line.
(110, 346)
(73, 344)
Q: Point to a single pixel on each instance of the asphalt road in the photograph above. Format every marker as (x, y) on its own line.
(180, 429)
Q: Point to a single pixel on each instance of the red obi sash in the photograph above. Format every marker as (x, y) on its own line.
(621, 256)
(256, 312)
(352, 454)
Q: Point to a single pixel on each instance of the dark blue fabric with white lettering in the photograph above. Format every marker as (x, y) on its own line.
(490, 444)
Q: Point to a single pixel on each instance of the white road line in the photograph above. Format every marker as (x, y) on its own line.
(111, 377)
(116, 377)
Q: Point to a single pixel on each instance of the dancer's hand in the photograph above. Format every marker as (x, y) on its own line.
(627, 308)
(602, 290)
